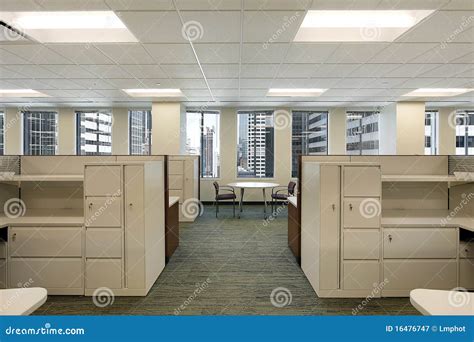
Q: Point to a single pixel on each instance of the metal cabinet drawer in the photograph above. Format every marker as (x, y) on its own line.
(416, 243)
(102, 180)
(45, 242)
(104, 243)
(176, 167)
(362, 181)
(362, 212)
(360, 275)
(466, 274)
(176, 182)
(362, 244)
(103, 212)
(466, 250)
(104, 273)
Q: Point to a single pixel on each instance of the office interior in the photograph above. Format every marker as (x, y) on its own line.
(237, 157)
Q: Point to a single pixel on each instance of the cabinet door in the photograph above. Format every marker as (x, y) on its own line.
(102, 180)
(362, 212)
(361, 275)
(466, 274)
(330, 227)
(134, 227)
(104, 273)
(362, 244)
(103, 212)
(104, 243)
(362, 181)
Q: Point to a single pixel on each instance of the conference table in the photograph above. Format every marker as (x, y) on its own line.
(253, 185)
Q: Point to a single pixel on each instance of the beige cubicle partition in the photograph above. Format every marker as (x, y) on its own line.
(425, 215)
(47, 234)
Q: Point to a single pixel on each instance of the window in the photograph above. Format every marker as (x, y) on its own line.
(202, 138)
(362, 132)
(94, 132)
(255, 144)
(41, 133)
(465, 133)
(309, 136)
(431, 132)
(140, 132)
(2, 133)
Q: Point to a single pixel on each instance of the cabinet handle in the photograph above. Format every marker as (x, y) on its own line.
(333, 207)
(389, 237)
(466, 250)
(130, 205)
(350, 206)
(90, 205)
(14, 236)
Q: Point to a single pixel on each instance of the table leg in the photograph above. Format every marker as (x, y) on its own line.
(241, 200)
(264, 204)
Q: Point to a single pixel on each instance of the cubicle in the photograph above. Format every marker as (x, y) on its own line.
(381, 226)
(77, 223)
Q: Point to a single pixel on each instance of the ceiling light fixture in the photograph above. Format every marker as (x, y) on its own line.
(293, 92)
(438, 92)
(70, 26)
(352, 26)
(154, 92)
(21, 93)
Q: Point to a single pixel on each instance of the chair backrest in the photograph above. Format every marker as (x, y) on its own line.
(216, 187)
(291, 188)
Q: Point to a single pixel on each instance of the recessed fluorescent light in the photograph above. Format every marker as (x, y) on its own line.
(351, 26)
(292, 92)
(438, 92)
(154, 92)
(21, 93)
(70, 27)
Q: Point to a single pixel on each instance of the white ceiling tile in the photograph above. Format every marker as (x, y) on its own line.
(225, 92)
(206, 5)
(271, 26)
(355, 52)
(181, 70)
(10, 58)
(449, 70)
(373, 70)
(20, 5)
(171, 53)
(8, 84)
(310, 52)
(411, 70)
(221, 70)
(254, 92)
(81, 53)
(144, 71)
(196, 92)
(344, 4)
(93, 83)
(107, 71)
(445, 53)
(460, 5)
(138, 5)
(297, 70)
(212, 26)
(126, 53)
(218, 53)
(36, 54)
(224, 83)
(411, 4)
(255, 83)
(61, 5)
(31, 71)
(419, 82)
(194, 83)
(334, 70)
(453, 83)
(469, 58)
(381, 82)
(260, 5)
(324, 83)
(263, 53)
(402, 53)
(258, 70)
(112, 93)
(127, 83)
(71, 71)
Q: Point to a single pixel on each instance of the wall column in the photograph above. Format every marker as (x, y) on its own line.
(167, 134)
(66, 131)
(120, 139)
(13, 132)
(447, 131)
(337, 131)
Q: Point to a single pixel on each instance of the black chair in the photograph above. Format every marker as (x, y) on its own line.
(279, 195)
(224, 197)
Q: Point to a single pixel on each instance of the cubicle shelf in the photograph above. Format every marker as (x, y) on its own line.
(42, 178)
(450, 179)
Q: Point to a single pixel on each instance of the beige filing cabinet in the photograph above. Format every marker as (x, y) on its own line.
(3, 264)
(466, 264)
(125, 228)
(183, 180)
(340, 233)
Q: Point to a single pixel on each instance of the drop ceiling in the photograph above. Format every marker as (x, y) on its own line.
(243, 48)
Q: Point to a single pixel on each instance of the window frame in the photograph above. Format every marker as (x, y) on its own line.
(78, 130)
(148, 130)
(360, 142)
(470, 114)
(27, 134)
(255, 112)
(294, 173)
(434, 137)
(202, 113)
(2, 132)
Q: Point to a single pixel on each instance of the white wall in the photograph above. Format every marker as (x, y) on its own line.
(66, 131)
(337, 131)
(13, 131)
(388, 130)
(447, 131)
(166, 127)
(120, 131)
(411, 128)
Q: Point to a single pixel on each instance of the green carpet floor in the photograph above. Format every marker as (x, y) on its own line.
(228, 266)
